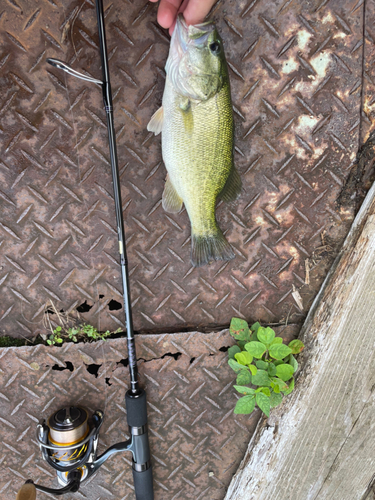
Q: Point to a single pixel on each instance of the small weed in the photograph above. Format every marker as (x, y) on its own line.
(85, 333)
(264, 366)
(67, 328)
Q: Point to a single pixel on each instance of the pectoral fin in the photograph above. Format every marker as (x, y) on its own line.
(156, 123)
(232, 187)
(185, 108)
(172, 203)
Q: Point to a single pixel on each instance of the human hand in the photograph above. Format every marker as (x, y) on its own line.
(194, 11)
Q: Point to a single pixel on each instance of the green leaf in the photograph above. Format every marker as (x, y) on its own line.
(265, 391)
(232, 351)
(245, 405)
(242, 343)
(244, 358)
(255, 326)
(296, 346)
(275, 388)
(280, 383)
(261, 378)
(253, 337)
(58, 329)
(275, 399)
(256, 349)
(290, 388)
(239, 329)
(265, 335)
(279, 351)
(277, 340)
(59, 341)
(293, 362)
(262, 365)
(271, 370)
(285, 372)
(263, 402)
(253, 369)
(244, 390)
(243, 378)
(49, 342)
(235, 366)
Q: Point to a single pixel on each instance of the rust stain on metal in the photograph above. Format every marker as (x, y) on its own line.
(296, 73)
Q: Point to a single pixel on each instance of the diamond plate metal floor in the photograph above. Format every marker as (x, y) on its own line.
(296, 73)
(197, 443)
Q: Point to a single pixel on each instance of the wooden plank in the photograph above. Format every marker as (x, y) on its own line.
(319, 444)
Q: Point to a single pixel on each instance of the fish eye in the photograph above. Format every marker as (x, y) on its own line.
(215, 48)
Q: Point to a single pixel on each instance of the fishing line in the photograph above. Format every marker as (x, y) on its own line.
(77, 154)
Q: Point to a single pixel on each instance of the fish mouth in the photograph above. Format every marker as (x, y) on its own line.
(192, 33)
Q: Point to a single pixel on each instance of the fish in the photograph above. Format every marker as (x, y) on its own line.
(197, 135)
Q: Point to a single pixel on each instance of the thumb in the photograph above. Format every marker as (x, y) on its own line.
(196, 10)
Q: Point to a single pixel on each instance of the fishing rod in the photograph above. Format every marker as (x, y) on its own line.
(69, 439)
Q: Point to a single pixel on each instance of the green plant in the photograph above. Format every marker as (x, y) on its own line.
(264, 366)
(78, 333)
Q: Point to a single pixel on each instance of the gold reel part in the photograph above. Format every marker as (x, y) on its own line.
(67, 427)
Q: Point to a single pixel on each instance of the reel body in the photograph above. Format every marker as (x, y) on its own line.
(69, 439)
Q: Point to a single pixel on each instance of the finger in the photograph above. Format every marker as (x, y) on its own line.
(181, 9)
(197, 10)
(167, 12)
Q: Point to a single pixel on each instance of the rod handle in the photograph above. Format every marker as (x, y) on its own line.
(136, 409)
(27, 492)
(143, 485)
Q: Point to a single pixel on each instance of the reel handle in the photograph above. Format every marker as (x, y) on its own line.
(27, 492)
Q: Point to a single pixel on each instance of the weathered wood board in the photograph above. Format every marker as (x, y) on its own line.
(320, 443)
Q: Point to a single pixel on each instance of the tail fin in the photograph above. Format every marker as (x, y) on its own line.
(206, 249)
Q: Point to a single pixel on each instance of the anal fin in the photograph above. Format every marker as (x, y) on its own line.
(232, 187)
(171, 202)
(156, 123)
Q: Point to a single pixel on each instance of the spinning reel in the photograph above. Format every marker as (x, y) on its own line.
(69, 441)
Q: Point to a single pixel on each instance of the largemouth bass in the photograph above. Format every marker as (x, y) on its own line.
(196, 122)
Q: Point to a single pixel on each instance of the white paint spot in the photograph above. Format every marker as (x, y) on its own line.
(273, 199)
(320, 64)
(328, 18)
(289, 66)
(293, 252)
(305, 124)
(303, 39)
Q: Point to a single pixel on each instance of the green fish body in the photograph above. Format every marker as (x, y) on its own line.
(196, 122)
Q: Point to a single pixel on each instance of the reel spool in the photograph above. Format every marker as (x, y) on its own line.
(69, 441)
(68, 427)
